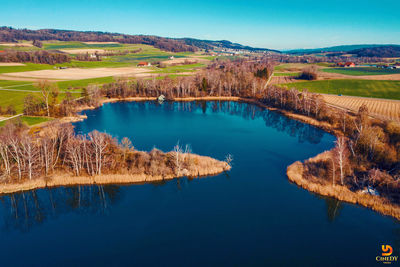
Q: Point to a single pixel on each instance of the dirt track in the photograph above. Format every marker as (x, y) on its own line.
(380, 108)
(8, 64)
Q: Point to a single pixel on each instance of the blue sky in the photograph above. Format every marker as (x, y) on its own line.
(270, 24)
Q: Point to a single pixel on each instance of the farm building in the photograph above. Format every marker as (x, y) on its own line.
(349, 64)
(143, 64)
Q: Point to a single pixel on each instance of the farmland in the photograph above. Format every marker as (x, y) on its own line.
(361, 71)
(380, 108)
(286, 73)
(351, 87)
(17, 80)
(29, 120)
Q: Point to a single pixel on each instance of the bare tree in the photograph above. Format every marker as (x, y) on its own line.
(229, 159)
(4, 154)
(45, 89)
(341, 152)
(126, 146)
(99, 144)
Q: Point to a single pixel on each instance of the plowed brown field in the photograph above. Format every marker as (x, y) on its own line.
(379, 108)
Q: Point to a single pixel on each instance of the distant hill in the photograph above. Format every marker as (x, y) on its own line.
(340, 48)
(9, 34)
(381, 51)
(207, 44)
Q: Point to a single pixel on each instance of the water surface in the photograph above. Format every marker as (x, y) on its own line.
(251, 215)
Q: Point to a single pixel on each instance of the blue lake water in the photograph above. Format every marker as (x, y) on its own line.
(251, 215)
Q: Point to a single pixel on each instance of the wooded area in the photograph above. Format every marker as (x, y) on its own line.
(8, 34)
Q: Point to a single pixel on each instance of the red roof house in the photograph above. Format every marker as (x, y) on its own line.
(350, 65)
(143, 64)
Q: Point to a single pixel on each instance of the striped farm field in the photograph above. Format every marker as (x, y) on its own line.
(380, 108)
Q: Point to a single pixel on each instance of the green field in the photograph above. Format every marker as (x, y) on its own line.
(76, 45)
(28, 120)
(360, 71)
(139, 53)
(64, 85)
(291, 67)
(286, 73)
(366, 88)
(27, 67)
(179, 68)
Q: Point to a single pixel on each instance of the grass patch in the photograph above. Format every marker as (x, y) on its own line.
(286, 73)
(34, 120)
(82, 83)
(360, 71)
(290, 67)
(73, 45)
(352, 87)
(16, 98)
(28, 120)
(180, 68)
(27, 67)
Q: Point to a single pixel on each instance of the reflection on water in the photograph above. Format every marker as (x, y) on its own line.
(27, 209)
(304, 132)
(333, 208)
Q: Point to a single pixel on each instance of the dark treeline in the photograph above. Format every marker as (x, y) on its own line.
(333, 58)
(41, 57)
(378, 52)
(8, 34)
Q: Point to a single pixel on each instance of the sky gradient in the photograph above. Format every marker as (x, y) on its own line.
(269, 24)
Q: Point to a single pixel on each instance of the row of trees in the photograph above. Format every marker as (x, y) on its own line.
(41, 57)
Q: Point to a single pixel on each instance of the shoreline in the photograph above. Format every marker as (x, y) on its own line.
(208, 167)
(341, 193)
(378, 204)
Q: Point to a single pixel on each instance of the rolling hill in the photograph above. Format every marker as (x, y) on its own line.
(9, 34)
(340, 48)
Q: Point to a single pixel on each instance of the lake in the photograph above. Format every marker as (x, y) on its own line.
(251, 215)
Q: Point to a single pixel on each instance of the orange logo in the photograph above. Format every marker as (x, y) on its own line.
(387, 250)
